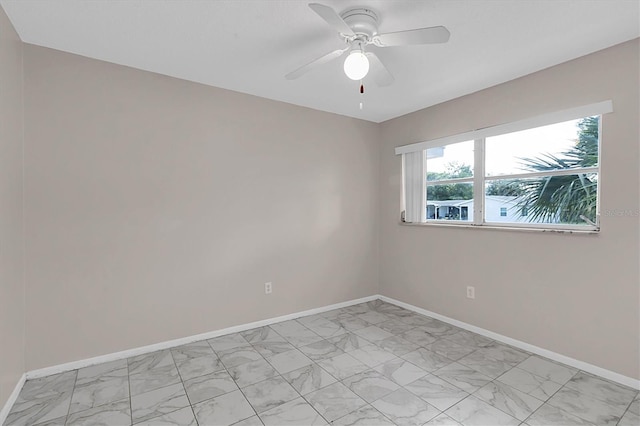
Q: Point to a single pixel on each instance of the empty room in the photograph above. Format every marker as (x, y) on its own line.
(281, 212)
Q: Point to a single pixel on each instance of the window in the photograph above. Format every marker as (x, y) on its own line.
(549, 172)
(450, 181)
(528, 174)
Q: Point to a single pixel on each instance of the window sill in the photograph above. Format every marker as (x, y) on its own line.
(492, 227)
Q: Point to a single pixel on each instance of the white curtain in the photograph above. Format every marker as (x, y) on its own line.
(414, 183)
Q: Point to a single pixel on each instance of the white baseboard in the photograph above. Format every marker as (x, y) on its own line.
(47, 371)
(607, 374)
(4, 413)
(581, 365)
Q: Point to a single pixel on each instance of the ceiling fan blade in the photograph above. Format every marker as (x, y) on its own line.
(321, 60)
(420, 36)
(332, 18)
(379, 72)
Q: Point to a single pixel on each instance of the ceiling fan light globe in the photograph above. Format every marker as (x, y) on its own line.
(356, 66)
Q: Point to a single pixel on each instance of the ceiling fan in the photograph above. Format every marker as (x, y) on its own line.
(358, 28)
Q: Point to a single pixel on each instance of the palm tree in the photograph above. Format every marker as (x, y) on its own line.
(567, 198)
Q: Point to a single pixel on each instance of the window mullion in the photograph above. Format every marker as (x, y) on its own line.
(450, 181)
(478, 181)
(557, 172)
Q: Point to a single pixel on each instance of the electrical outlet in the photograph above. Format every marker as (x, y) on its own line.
(268, 288)
(471, 292)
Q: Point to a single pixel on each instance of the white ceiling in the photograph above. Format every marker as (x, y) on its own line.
(249, 45)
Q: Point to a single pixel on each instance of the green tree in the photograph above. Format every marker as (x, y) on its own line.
(452, 191)
(564, 198)
(505, 187)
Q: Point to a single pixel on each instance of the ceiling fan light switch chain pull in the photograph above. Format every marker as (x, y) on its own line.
(361, 88)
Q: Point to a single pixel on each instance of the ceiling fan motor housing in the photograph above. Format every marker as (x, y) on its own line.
(363, 22)
(358, 28)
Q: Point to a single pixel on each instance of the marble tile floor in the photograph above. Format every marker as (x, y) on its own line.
(368, 364)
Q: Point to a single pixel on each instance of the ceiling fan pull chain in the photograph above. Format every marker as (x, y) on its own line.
(361, 88)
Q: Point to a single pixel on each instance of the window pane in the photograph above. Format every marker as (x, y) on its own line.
(550, 199)
(450, 162)
(567, 145)
(450, 202)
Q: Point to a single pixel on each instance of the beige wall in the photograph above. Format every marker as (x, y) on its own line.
(157, 208)
(11, 218)
(575, 295)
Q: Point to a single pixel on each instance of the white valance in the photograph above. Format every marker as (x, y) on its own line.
(516, 126)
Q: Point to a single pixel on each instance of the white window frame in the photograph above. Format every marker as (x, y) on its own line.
(479, 179)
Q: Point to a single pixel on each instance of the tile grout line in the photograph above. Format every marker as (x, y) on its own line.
(227, 371)
(341, 381)
(370, 404)
(129, 384)
(596, 398)
(71, 399)
(457, 361)
(493, 381)
(473, 393)
(153, 390)
(314, 408)
(547, 400)
(234, 380)
(625, 412)
(239, 388)
(304, 397)
(73, 390)
(627, 409)
(184, 388)
(314, 362)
